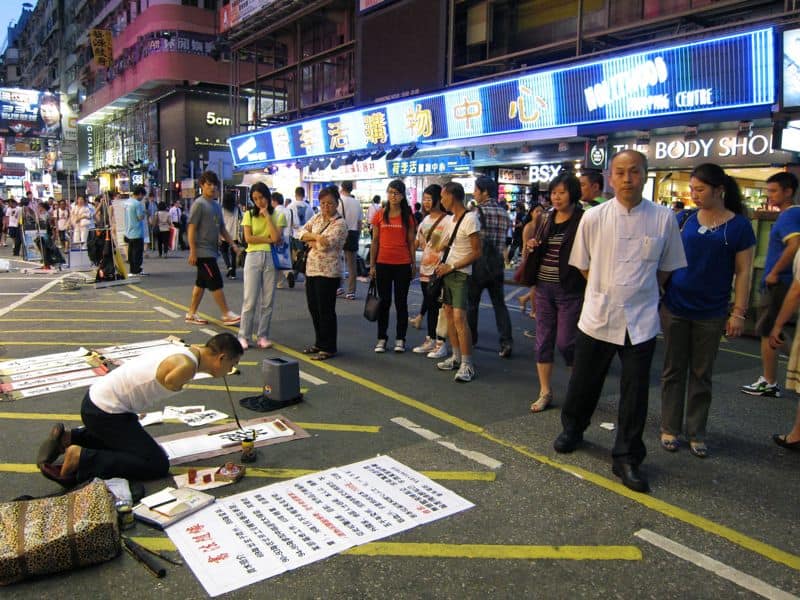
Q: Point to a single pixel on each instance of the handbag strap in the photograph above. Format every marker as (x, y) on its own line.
(430, 231)
(452, 237)
(327, 225)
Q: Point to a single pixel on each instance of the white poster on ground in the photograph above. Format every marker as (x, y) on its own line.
(258, 534)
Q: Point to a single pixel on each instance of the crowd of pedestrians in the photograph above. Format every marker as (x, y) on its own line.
(605, 276)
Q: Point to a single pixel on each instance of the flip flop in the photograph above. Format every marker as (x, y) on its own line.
(699, 450)
(53, 473)
(51, 448)
(670, 444)
(322, 355)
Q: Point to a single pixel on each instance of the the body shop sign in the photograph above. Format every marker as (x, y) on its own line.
(723, 147)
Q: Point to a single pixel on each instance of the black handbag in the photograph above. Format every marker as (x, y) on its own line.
(489, 267)
(372, 303)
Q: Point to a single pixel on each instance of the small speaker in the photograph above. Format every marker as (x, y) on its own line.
(281, 379)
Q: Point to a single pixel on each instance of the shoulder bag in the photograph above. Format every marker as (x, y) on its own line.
(435, 282)
(489, 267)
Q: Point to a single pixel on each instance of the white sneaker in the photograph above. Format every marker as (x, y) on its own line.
(450, 364)
(380, 347)
(425, 347)
(399, 346)
(466, 373)
(439, 350)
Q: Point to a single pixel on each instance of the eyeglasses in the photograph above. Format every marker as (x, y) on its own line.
(394, 193)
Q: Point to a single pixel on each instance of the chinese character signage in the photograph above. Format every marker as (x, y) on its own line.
(102, 49)
(30, 113)
(735, 71)
(429, 165)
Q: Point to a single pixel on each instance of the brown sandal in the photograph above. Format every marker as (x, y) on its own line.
(322, 355)
(542, 402)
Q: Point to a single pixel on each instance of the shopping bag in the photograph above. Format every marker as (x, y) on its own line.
(282, 256)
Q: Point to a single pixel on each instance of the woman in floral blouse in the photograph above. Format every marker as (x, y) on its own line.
(325, 235)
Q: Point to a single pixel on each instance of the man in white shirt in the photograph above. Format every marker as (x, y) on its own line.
(111, 442)
(298, 214)
(626, 248)
(455, 270)
(350, 209)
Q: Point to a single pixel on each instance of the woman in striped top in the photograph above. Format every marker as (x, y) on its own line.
(559, 287)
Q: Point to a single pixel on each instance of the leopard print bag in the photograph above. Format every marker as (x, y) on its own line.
(49, 535)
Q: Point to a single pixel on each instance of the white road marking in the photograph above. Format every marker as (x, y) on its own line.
(128, 294)
(164, 311)
(478, 457)
(208, 331)
(13, 293)
(510, 295)
(31, 296)
(311, 379)
(411, 426)
(709, 564)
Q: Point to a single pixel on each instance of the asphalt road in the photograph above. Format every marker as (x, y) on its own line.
(543, 525)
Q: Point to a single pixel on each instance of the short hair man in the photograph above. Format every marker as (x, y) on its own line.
(134, 229)
(495, 223)
(350, 209)
(626, 248)
(111, 442)
(784, 240)
(592, 183)
(464, 250)
(206, 226)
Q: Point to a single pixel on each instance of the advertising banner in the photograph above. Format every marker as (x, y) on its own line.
(30, 113)
(237, 11)
(86, 143)
(102, 48)
(791, 69)
(734, 71)
(429, 165)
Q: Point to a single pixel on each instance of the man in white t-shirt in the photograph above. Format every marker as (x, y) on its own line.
(13, 214)
(111, 442)
(626, 248)
(456, 269)
(350, 209)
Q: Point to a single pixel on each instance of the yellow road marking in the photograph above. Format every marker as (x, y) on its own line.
(83, 310)
(18, 468)
(339, 427)
(27, 416)
(275, 473)
(59, 343)
(87, 301)
(669, 510)
(480, 551)
(665, 508)
(497, 551)
(233, 388)
(77, 320)
(49, 330)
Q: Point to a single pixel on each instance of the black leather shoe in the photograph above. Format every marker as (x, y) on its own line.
(631, 477)
(567, 442)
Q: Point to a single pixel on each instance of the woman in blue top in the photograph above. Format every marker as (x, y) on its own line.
(719, 241)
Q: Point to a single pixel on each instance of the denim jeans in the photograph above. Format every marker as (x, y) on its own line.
(258, 294)
(691, 348)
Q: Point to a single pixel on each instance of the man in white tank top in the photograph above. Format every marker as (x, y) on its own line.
(111, 442)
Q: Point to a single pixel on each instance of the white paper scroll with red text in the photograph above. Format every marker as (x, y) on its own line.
(251, 536)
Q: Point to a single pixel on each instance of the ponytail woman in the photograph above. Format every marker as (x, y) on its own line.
(393, 262)
(719, 244)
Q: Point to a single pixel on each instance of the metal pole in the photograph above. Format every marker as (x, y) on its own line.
(579, 27)
(450, 42)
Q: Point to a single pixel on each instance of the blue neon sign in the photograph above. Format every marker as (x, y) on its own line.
(729, 72)
(429, 165)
